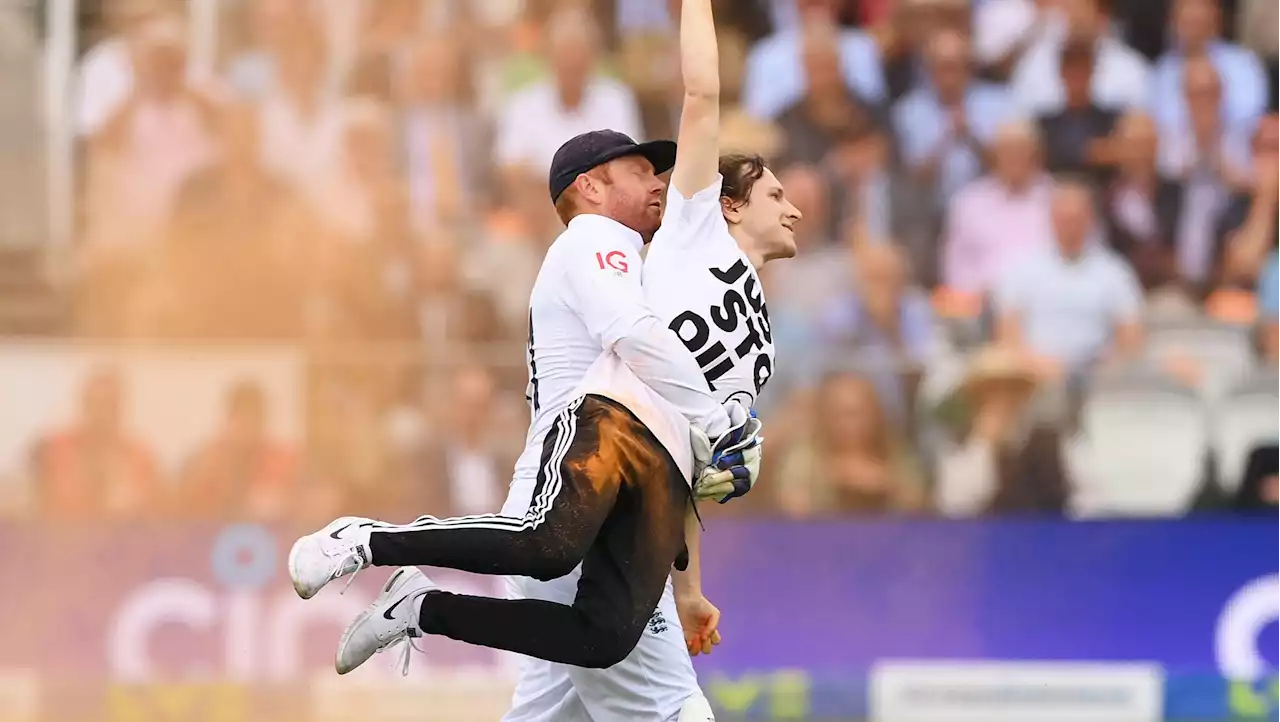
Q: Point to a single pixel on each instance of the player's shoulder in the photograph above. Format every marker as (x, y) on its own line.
(594, 243)
(595, 232)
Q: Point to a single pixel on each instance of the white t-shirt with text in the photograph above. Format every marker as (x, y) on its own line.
(699, 281)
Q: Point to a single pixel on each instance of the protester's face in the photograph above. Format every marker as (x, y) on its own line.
(769, 217)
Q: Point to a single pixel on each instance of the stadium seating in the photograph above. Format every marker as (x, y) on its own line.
(1141, 447)
(1221, 351)
(1245, 417)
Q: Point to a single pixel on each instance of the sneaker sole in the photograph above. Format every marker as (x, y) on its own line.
(298, 586)
(387, 592)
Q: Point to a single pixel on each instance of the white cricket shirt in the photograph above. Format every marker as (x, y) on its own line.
(590, 331)
(706, 290)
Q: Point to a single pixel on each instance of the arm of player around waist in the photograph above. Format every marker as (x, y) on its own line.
(602, 286)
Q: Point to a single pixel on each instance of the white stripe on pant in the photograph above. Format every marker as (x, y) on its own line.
(549, 485)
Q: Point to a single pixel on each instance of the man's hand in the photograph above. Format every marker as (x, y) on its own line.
(728, 467)
(701, 621)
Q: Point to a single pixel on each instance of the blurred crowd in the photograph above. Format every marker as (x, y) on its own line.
(1004, 201)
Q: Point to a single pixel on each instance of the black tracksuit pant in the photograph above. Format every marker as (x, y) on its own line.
(608, 495)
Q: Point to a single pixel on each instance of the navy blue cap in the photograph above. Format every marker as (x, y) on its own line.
(583, 152)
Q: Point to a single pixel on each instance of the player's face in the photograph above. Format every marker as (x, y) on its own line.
(770, 219)
(633, 195)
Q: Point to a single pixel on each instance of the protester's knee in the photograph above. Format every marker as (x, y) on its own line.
(612, 646)
(556, 559)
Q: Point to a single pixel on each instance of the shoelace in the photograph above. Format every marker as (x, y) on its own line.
(407, 647)
(406, 650)
(354, 557)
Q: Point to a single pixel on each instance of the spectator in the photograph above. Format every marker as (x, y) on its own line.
(301, 121)
(515, 238)
(883, 325)
(378, 42)
(1258, 28)
(852, 462)
(830, 112)
(1076, 303)
(449, 313)
(240, 472)
(1255, 236)
(106, 73)
(1004, 29)
(96, 469)
(1269, 310)
(1197, 25)
(995, 220)
(233, 225)
(346, 464)
(945, 124)
(462, 467)
(366, 200)
(1211, 163)
(161, 134)
(775, 75)
(1140, 207)
(905, 38)
(536, 120)
(1007, 462)
(1077, 139)
(254, 73)
(1259, 490)
(1119, 76)
(358, 266)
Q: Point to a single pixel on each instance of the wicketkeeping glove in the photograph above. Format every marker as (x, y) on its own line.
(728, 467)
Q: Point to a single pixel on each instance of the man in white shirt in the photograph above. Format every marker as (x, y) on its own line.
(536, 120)
(1076, 303)
(605, 476)
(1119, 74)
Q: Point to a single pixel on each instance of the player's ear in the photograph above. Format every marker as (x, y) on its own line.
(731, 209)
(588, 190)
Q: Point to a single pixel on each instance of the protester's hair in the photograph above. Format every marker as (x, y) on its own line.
(740, 172)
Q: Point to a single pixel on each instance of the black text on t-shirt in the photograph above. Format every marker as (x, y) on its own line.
(742, 306)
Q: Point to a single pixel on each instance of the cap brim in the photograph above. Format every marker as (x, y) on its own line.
(661, 153)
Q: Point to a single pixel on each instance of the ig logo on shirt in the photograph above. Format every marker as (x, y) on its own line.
(613, 260)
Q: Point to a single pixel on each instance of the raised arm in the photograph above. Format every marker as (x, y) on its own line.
(699, 139)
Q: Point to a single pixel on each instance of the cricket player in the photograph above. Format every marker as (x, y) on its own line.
(618, 407)
(725, 217)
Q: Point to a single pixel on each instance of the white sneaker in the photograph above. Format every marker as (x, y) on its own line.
(392, 618)
(337, 550)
